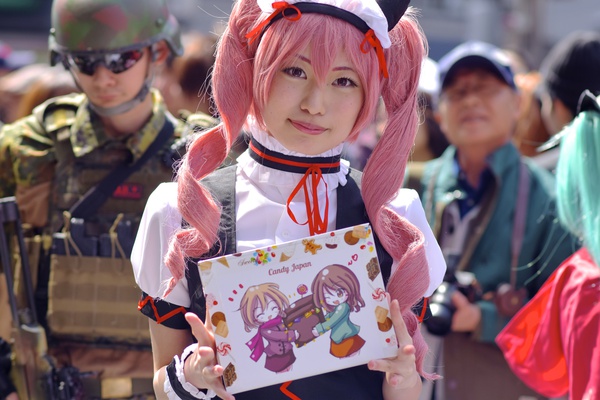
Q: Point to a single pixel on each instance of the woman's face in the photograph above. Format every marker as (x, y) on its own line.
(310, 117)
(334, 297)
(270, 311)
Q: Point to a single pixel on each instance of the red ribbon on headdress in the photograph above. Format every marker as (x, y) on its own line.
(371, 38)
(316, 224)
(280, 7)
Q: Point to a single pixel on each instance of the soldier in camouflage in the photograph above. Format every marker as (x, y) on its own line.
(51, 158)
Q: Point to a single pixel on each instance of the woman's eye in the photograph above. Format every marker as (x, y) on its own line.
(340, 293)
(345, 82)
(295, 72)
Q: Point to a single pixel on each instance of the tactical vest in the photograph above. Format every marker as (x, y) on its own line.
(86, 286)
(75, 175)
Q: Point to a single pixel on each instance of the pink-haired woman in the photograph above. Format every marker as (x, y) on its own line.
(302, 78)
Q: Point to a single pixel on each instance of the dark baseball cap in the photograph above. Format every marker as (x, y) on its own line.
(475, 55)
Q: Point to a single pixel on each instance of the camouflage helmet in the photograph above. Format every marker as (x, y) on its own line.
(102, 26)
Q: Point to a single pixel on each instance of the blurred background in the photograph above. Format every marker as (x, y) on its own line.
(529, 27)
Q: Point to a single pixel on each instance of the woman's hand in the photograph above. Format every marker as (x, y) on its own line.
(401, 374)
(201, 368)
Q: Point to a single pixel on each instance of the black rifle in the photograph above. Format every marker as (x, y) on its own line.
(33, 372)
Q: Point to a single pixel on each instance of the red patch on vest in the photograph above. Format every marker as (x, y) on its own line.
(131, 191)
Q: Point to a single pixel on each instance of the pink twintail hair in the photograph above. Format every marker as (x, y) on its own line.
(232, 90)
(380, 183)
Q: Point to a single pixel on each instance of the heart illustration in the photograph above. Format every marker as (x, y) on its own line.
(355, 257)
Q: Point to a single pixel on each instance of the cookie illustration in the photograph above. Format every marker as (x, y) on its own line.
(350, 238)
(381, 314)
(311, 246)
(229, 375)
(373, 268)
(220, 323)
(361, 232)
(385, 325)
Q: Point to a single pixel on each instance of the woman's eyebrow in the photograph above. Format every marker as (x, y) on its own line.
(343, 68)
(305, 59)
(339, 68)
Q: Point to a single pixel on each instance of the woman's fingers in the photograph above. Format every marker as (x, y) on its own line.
(204, 363)
(199, 330)
(400, 328)
(401, 370)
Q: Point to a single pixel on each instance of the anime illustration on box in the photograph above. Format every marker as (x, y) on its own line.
(337, 290)
(262, 308)
(276, 308)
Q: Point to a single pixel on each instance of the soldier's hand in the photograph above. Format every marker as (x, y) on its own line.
(201, 368)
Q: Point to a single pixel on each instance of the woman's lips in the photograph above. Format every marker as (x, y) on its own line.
(307, 128)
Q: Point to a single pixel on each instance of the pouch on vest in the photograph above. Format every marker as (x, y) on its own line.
(92, 288)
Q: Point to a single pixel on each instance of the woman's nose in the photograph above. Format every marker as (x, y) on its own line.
(314, 101)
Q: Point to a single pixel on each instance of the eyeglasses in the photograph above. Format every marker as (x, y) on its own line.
(481, 90)
(114, 62)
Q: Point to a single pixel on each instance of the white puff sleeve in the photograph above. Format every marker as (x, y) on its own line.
(159, 222)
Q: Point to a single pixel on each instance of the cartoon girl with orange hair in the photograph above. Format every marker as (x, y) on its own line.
(261, 308)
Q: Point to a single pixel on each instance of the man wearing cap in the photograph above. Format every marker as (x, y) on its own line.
(96, 157)
(494, 216)
(571, 67)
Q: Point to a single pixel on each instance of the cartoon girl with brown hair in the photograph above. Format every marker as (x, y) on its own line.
(261, 308)
(337, 290)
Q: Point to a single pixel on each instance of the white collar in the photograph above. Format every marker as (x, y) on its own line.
(261, 174)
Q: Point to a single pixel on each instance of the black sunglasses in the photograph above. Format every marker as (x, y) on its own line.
(114, 62)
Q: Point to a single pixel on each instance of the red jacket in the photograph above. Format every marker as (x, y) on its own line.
(553, 343)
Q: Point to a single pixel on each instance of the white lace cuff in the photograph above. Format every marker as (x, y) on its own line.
(177, 365)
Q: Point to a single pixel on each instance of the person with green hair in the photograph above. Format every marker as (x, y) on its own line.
(553, 343)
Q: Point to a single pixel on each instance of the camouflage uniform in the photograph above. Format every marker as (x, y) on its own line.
(62, 136)
(51, 158)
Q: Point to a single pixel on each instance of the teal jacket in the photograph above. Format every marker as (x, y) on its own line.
(339, 322)
(487, 252)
